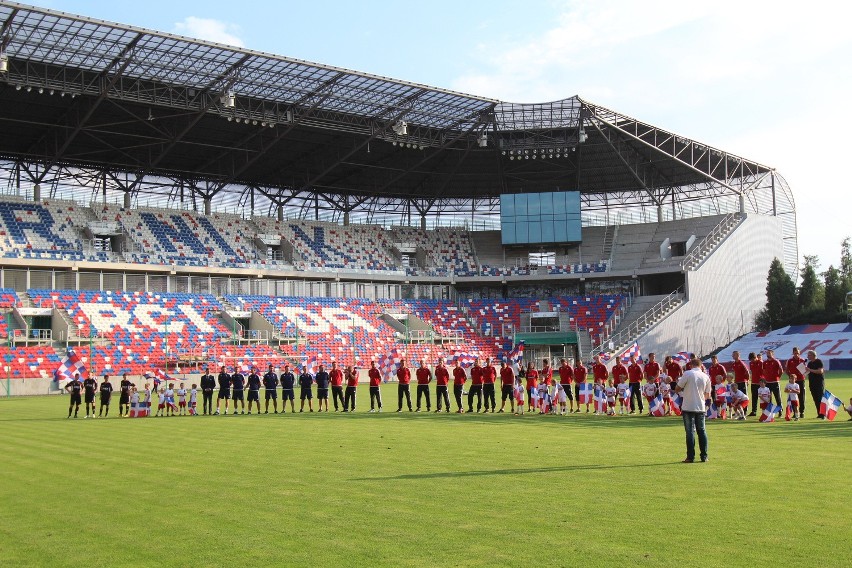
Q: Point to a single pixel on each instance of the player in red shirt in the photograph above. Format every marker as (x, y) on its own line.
(634, 375)
(375, 387)
(442, 380)
(772, 372)
(740, 370)
(424, 377)
(532, 384)
(580, 374)
(566, 379)
(793, 371)
(716, 369)
(652, 368)
(336, 378)
(507, 382)
(599, 371)
(546, 374)
(489, 378)
(459, 378)
(619, 373)
(403, 375)
(673, 369)
(351, 376)
(755, 367)
(475, 387)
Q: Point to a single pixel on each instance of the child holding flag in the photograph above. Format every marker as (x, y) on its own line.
(623, 397)
(792, 390)
(520, 391)
(649, 390)
(611, 392)
(193, 400)
(665, 389)
(181, 394)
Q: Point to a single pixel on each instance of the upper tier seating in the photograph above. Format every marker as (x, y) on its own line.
(183, 238)
(334, 247)
(8, 299)
(447, 250)
(42, 231)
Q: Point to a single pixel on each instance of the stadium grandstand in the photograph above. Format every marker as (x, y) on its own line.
(170, 202)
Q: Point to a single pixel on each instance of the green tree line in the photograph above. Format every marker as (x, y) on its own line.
(819, 298)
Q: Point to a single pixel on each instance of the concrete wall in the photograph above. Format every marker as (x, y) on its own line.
(724, 294)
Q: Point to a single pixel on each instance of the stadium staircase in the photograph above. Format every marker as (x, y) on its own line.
(644, 313)
(705, 247)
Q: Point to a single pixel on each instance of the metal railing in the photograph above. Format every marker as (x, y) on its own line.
(706, 245)
(615, 318)
(636, 328)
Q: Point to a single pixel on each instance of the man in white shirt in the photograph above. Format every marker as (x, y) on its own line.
(694, 387)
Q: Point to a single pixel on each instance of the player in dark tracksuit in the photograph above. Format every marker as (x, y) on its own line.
(74, 387)
(224, 389)
(270, 383)
(125, 386)
(254, 389)
(288, 383)
(238, 382)
(90, 389)
(208, 385)
(305, 382)
(106, 394)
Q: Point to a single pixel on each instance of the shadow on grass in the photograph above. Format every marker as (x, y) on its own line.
(510, 471)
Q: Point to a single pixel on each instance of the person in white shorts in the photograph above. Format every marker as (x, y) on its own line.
(792, 390)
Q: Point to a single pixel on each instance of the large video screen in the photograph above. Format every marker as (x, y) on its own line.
(540, 218)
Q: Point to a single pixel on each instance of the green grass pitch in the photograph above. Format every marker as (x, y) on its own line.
(419, 490)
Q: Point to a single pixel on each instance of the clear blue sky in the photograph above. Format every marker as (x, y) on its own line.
(768, 81)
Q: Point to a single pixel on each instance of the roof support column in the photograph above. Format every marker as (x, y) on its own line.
(659, 213)
(127, 200)
(279, 210)
(37, 192)
(423, 221)
(208, 205)
(346, 217)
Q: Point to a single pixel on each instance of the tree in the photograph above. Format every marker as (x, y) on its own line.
(846, 263)
(811, 294)
(781, 301)
(835, 294)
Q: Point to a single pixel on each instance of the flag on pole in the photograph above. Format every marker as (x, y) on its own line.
(830, 405)
(72, 364)
(514, 356)
(586, 392)
(658, 408)
(632, 350)
(681, 358)
(769, 413)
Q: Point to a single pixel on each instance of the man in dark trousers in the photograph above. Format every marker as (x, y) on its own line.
(208, 384)
(475, 387)
(270, 384)
(90, 389)
(403, 375)
(322, 380)
(816, 380)
(489, 379)
(442, 381)
(695, 388)
(224, 389)
(74, 387)
(125, 389)
(375, 387)
(772, 372)
(507, 382)
(336, 378)
(459, 379)
(424, 377)
(288, 385)
(305, 382)
(238, 382)
(634, 375)
(254, 390)
(350, 376)
(106, 395)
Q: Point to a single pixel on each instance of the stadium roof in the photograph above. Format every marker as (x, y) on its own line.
(117, 108)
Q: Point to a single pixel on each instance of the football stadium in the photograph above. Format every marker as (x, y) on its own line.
(174, 210)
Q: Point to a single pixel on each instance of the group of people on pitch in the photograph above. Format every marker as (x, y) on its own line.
(625, 387)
